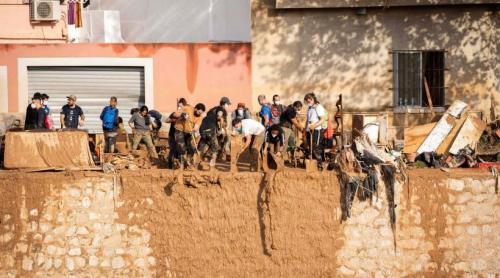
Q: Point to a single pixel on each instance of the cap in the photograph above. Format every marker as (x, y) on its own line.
(72, 97)
(225, 100)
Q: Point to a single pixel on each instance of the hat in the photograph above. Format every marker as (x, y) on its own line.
(225, 100)
(72, 97)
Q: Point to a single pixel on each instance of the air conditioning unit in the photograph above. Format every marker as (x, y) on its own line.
(45, 10)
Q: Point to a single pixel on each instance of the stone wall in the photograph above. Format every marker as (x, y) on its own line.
(170, 224)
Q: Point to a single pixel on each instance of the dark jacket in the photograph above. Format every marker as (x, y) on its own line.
(35, 118)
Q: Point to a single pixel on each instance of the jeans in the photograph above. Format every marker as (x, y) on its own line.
(317, 146)
(110, 139)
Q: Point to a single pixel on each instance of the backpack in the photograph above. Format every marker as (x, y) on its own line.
(108, 119)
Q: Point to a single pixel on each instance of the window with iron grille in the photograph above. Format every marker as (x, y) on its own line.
(418, 73)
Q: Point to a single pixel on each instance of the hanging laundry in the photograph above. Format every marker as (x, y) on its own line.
(78, 19)
(71, 12)
(86, 3)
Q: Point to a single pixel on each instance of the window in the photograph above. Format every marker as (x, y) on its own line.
(416, 73)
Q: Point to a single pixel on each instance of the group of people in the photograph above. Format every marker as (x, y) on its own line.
(38, 114)
(193, 129)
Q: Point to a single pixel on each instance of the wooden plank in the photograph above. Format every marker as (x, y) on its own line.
(415, 136)
(442, 128)
(469, 134)
(448, 140)
(429, 98)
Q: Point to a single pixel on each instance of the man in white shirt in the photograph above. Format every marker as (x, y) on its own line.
(253, 133)
(316, 114)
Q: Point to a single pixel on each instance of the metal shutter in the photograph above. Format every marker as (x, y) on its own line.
(93, 86)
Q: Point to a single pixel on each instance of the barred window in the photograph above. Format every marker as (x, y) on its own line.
(415, 72)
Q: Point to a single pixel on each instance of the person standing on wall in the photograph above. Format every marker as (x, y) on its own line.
(210, 128)
(35, 114)
(225, 129)
(241, 112)
(142, 126)
(49, 123)
(288, 121)
(265, 111)
(183, 128)
(315, 117)
(109, 118)
(276, 110)
(71, 114)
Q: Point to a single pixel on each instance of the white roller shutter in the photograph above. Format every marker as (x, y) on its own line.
(93, 86)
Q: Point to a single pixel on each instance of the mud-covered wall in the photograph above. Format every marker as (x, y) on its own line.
(168, 224)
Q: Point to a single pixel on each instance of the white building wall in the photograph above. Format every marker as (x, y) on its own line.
(180, 20)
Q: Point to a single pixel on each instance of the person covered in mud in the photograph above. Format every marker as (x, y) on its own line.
(183, 132)
(71, 114)
(289, 121)
(199, 111)
(109, 118)
(224, 129)
(241, 112)
(142, 125)
(210, 128)
(35, 113)
(316, 115)
(274, 140)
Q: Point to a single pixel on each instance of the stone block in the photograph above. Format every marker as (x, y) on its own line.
(86, 203)
(118, 262)
(82, 231)
(385, 232)
(27, 264)
(477, 187)
(140, 262)
(57, 263)
(346, 271)
(93, 261)
(74, 192)
(70, 264)
(75, 251)
(473, 230)
(464, 197)
(479, 265)
(457, 185)
(151, 261)
(80, 262)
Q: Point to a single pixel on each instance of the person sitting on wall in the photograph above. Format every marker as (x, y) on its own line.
(253, 136)
(142, 125)
(109, 118)
(35, 114)
(241, 112)
(71, 114)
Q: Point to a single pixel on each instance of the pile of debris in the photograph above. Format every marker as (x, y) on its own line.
(459, 139)
(134, 161)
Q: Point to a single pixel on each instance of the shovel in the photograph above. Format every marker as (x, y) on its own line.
(311, 164)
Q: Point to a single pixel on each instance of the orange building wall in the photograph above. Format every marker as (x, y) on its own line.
(198, 72)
